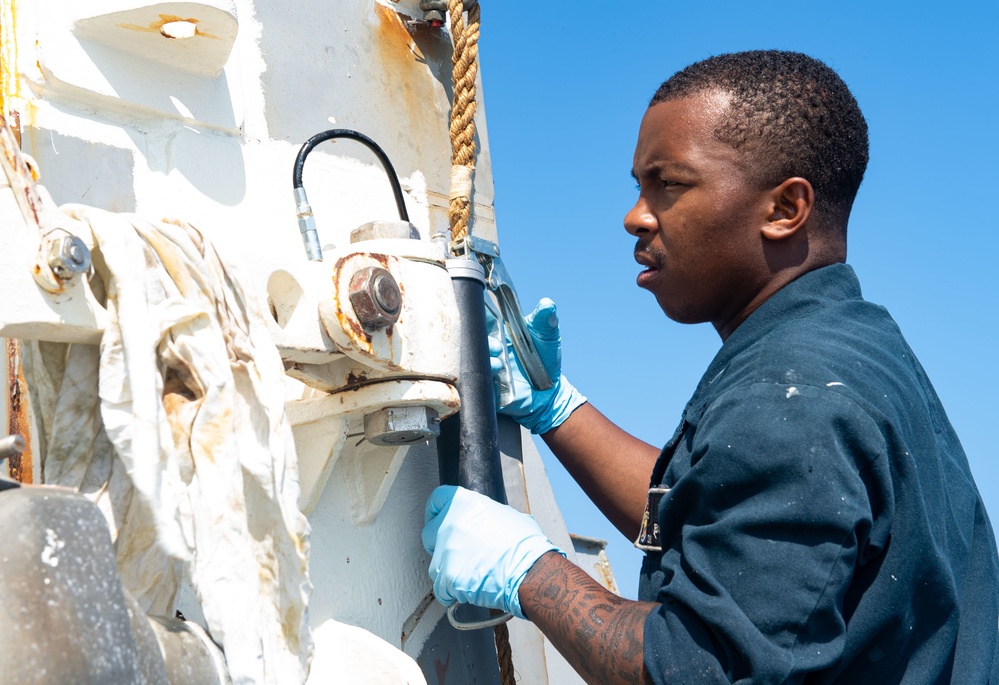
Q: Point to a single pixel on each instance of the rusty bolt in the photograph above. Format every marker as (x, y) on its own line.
(68, 256)
(375, 297)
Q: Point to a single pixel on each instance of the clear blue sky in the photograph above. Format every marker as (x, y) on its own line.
(565, 86)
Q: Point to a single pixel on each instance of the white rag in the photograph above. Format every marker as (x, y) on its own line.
(202, 482)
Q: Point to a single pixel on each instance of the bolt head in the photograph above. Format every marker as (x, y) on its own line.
(375, 297)
(387, 293)
(68, 256)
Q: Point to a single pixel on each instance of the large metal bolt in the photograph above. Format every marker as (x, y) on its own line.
(375, 297)
(68, 256)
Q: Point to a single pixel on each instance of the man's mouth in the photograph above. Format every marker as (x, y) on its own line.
(652, 263)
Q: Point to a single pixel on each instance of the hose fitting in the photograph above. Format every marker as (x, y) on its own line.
(307, 226)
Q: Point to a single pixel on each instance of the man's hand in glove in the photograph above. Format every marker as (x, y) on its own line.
(481, 550)
(537, 410)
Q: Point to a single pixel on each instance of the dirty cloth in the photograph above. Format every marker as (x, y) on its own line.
(201, 486)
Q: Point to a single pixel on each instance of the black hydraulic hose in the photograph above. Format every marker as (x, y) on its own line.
(468, 447)
(312, 142)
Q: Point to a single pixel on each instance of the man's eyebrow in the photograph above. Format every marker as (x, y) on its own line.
(660, 167)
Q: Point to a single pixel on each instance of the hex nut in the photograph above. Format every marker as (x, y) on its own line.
(395, 426)
(382, 230)
(68, 256)
(375, 297)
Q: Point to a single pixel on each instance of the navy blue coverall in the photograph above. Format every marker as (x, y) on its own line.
(817, 517)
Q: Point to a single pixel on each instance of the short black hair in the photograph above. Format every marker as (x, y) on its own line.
(791, 115)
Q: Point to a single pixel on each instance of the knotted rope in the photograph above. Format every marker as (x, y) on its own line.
(465, 68)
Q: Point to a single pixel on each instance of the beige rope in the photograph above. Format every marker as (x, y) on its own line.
(465, 67)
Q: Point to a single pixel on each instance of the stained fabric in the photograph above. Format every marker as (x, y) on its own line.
(185, 446)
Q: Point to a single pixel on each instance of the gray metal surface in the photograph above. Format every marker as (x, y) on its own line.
(452, 657)
(191, 657)
(63, 617)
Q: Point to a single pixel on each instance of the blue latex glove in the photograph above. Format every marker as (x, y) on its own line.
(481, 549)
(537, 410)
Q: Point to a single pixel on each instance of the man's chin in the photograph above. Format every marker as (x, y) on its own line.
(678, 311)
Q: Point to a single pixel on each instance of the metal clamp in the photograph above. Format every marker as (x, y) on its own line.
(452, 617)
(499, 282)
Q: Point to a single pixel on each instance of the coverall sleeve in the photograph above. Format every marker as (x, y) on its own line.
(761, 531)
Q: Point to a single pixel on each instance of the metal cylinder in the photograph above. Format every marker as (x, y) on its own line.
(190, 656)
(468, 446)
(63, 617)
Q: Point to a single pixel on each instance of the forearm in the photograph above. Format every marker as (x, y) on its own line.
(611, 466)
(599, 633)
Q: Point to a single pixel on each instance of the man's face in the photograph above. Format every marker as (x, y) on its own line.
(698, 215)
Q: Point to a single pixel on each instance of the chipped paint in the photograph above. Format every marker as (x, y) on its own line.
(50, 553)
(157, 26)
(414, 619)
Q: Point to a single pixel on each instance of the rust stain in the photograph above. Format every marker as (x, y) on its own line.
(452, 401)
(349, 325)
(415, 61)
(396, 34)
(57, 285)
(19, 467)
(441, 668)
(10, 83)
(157, 26)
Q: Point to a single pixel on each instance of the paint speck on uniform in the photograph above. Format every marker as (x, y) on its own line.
(791, 392)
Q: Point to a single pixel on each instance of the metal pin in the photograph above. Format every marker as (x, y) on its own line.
(12, 446)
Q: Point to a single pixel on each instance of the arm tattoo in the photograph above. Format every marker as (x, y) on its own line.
(599, 633)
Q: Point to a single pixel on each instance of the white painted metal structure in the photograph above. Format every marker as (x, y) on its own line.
(196, 110)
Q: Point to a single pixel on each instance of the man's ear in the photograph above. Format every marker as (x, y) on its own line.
(791, 204)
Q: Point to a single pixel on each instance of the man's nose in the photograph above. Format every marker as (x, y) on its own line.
(640, 219)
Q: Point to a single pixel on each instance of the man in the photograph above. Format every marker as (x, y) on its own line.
(813, 519)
